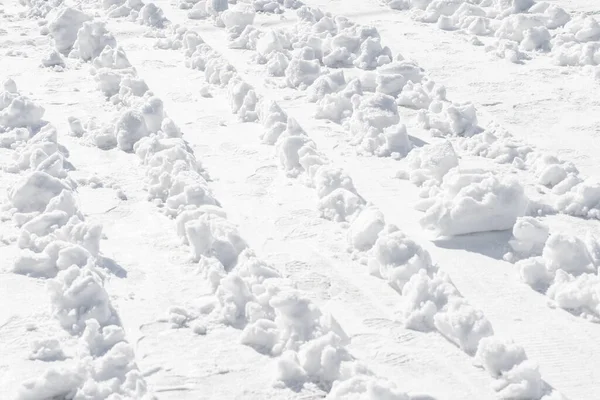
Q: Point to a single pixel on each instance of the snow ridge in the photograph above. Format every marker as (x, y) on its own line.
(60, 245)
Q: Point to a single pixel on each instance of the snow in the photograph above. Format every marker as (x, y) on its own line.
(474, 201)
(277, 194)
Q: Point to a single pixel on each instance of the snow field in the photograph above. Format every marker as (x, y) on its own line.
(248, 292)
(426, 290)
(364, 104)
(58, 244)
(522, 29)
(374, 119)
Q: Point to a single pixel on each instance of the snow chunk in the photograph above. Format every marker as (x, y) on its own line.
(130, 128)
(21, 112)
(364, 230)
(448, 119)
(530, 235)
(516, 376)
(431, 162)
(53, 59)
(475, 201)
(238, 17)
(213, 236)
(153, 16)
(396, 257)
(34, 192)
(92, 38)
(77, 296)
(64, 26)
(375, 125)
(463, 324)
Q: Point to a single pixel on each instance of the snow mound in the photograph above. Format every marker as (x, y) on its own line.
(530, 235)
(375, 125)
(338, 199)
(498, 146)
(396, 257)
(448, 119)
(152, 15)
(238, 17)
(92, 38)
(54, 60)
(431, 163)
(582, 199)
(174, 178)
(517, 377)
(420, 95)
(474, 201)
(63, 28)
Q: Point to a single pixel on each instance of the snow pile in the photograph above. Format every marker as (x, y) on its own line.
(530, 235)
(176, 181)
(273, 119)
(303, 69)
(317, 40)
(579, 198)
(498, 146)
(449, 119)
(564, 267)
(428, 165)
(550, 171)
(578, 43)
(420, 95)
(243, 99)
(238, 17)
(517, 377)
(470, 201)
(217, 70)
(20, 117)
(375, 125)
(393, 77)
(339, 200)
(297, 152)
(54, 60)
(336, 106)
(92, 38)
(152, 15)
(63, 28)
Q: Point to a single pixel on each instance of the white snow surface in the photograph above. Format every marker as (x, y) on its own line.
(340, 200)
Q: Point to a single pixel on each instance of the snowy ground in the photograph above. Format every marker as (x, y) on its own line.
(378, 199)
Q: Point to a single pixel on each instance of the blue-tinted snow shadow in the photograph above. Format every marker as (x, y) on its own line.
(490, 244)
(112, 266)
